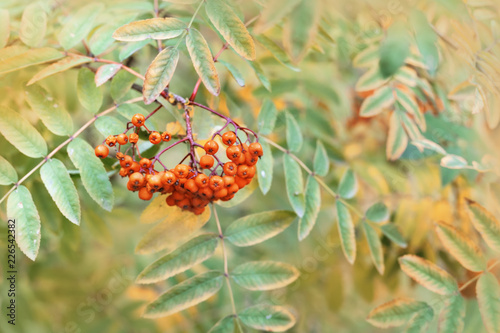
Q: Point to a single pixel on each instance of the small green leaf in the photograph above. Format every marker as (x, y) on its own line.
(131, 48)
(225, 325)
(346, 232)
(348, 186)
(451, 161)
(420, 321)
(257, 68)
(267, 318)
(185, 295)
(321, 161)
(121, 85)
(486, 223)
(235, 72)
(256, 228)
(394, 49)
(427, 144)
(382, 99)
(58, 67)
(294, 185)
(371, 80)
(160, 73)
(488, 297)
(231, 28)
(294, 137)
(154, 28)
(378, 212)
(366, 58)
(29, 58)
(452, 316)
(8, 174)
(277, 52)
(267, 117)
(397, 140)
(407, 101)
(92, 172)
(4, 27)
(33, 25)
(265, 168)
(428, 274)
(186, 256)
(109, 125)
(313, 204)
(392, 232)
(273, 12)
(20, 206)
(102, 38)
(203, 61)
(89, 94)
(22, 135)
(58, 183)
(78, 26)
(426, 40)
(105, 72)
(264, 275)
(395, 313)
(375, 246)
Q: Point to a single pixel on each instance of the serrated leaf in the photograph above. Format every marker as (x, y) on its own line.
(346, 232)
(265, 168)
(203, 61)
(461, 247)
(21, 134)
(488, 298)
(397, 140)
(407, 75)
(160, 73)
(154, 28)
(131, 48)
(268, 318)
(273, 12)
(236, 74)
(121, 85)
(420, 321)
(29, 58)
(58, 183)
(8, 174)
(378, 212)
(451, 319)
(92, 172)
(58, 67)
(20, 206)
(383, 98)
(225, 325)
(407, 101)
(371, 80)
(79, 25)
(88, 94)
(277, 52)
(294, 185)
(375, 246)
(428, 274)
(186, 256)
(409, 125)
(53, 116)
(294, 138)
(486, 223)
(109, 125)
(313, 204)
(366, 58)
(256, 228)
(4, 27)
(394, 49)
(105, 72)
(321, 162)
(395, 313)
(348, 186)
(186, 294)
(259, 72)
(451, 161)
(264, 275)
(231, 28)
(33, 25)
(392, 232)
(267, 117)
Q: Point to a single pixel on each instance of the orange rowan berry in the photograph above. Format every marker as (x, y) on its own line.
(137, 179)
(135, 167)
(198, 211)
(131, 187)
(206, 192)
(242, 171)
(190, 185)
(228, 197)
(256, 149)
(206, 161)
(119, 155)
(230, 168)
(123, 172)
(216, 183)
(155, 182)
(211, 147)
(133, 138)
(145, 163)
(233, 189)
(251, 171)
(111, 140)
(233, 152)
(197, 202)
(155, 137)
(229, 138)
(184, 204)
(166, 136)
(144, 194)
(101, 151)
(241, 182)
(220, 193)
(168, 178)
(178, 196)
(170, 201)
(180, 185)
(138, 120)
(181, 170)
(126, 162)
(122, 139)
(228, 181)
(201, 180)
(241, 159)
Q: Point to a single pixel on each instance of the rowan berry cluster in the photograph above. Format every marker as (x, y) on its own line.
(189, 186)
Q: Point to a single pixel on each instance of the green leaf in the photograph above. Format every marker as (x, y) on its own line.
(203, 61)
(58, 183)
(22, 135)
(395, 313)
(256, 228)
(397, 140)
(154, 28)
(313, 204)
(267, 117)
(160, 73)
(20, 206)
(346, 232)
(407, 101)
(452, 316)
(348, 186)
(92, 172)
(488, 297)
(273, 12)
(321, 161)
(378, 212)
(294, 137)
(267, 318)
(382, 99)
(426, 40)
(428, 274)
(277, 52)
(238, 77)
(260, 74)
(393, 233)
(294, 185)
(264, 275)
(231, 28)
(129, 110)
(301, 28)
(408, 76)
(4, 27)
(375, 246)
(451, 161)
(486, 223)
(33, 25)
(185, 295)
(78, 26)
(186, 256)
(53, 116)
(371, 80)
(88, 94)
(427, 144)
(461, 247)
(225, 325)
(29, 58)
(420, 321)
(109, 125)
(121, 85)
(58, 67)
(265, 168)
(394, 49)
(131, 48)
(8, 174)
(366, 58)
(104, 73)
(102, 38)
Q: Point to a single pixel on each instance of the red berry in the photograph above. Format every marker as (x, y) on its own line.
(229, 138)
(155, 138)
(206, 161)
(101, 151)
(138, 120)
(211, 147)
